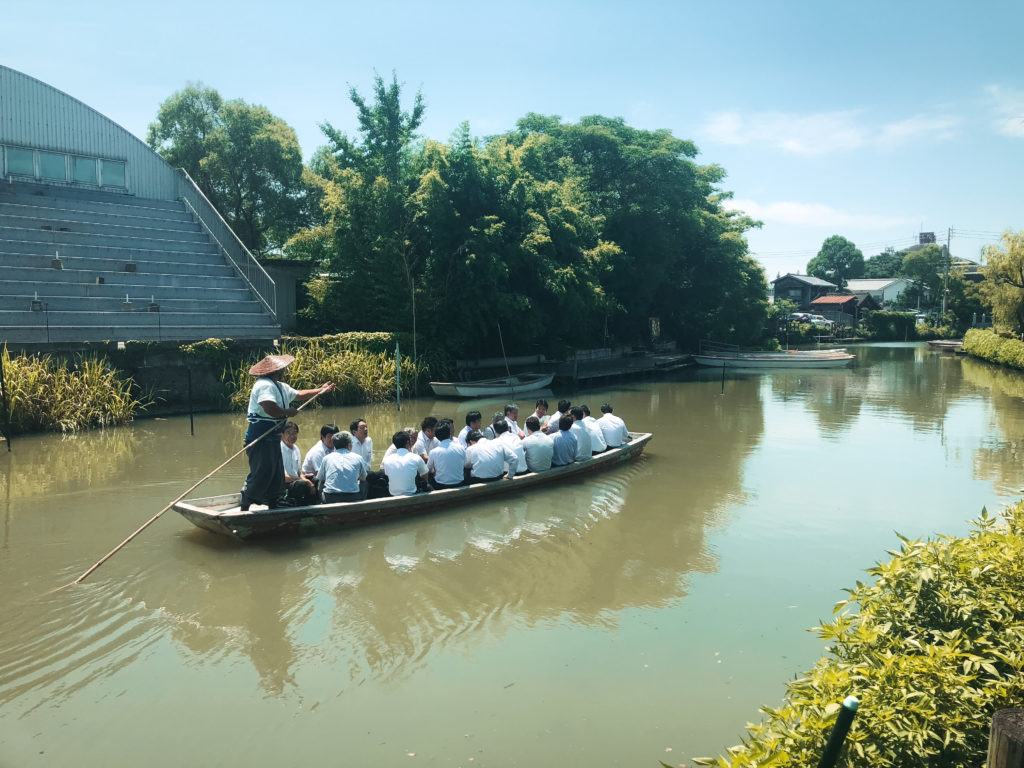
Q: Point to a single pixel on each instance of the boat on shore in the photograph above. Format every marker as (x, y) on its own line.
(947, 345)
(826, 358)
(221, 514)
(506, 385)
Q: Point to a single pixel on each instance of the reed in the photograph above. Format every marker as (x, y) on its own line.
(49, 394)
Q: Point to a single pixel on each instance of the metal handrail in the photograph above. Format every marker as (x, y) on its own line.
(268, 296)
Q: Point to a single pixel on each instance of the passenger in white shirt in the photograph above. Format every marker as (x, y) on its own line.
(563, 410)
(613, 428)
(402, 467)
(537, 446)
(486, 459)
(447, 461)
(512, 419)
(362, 443)
(299, 487)
(473, 420)
(506, 436)
(426, 441)
(315, 455)
(541, 412)
(584, 445)
(342, 473)
(597, 441)
(412, 433)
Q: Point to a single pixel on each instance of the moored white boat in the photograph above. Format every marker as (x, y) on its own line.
(506, 385)
(837, 358)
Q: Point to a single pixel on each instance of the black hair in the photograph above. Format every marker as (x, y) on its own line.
(289, 424)
(577, 413)
(355, 425)
(328, 429)
(563, 406)
(500, 426)
(533, 424)
(400, 439)
(586, 409)
(473, 416)
(606, 408)
(511, 407)
(565, 423)
(430, 422)
(444, 430)
(474, 435)
(541, 402)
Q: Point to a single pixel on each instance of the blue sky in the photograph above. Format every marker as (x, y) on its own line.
(870, 119)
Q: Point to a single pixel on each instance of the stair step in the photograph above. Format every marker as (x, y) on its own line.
(114, 291)
(208, 254)
(181, 242)
(34, 274)
(87, 221)
(181, 333)
(136, 316)
(51, 192)
(211, 307)
(116, 265)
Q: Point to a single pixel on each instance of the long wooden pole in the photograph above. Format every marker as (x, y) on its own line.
(508, 372)
(6, 402)
(187, 491)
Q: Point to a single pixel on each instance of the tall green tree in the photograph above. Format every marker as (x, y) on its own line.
(888, 263)
(837, 261)
(926, 266)
(246, 160)
(1003, 287)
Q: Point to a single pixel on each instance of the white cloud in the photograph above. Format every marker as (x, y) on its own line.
(815, 215)
(818, 133)
(1008, 108)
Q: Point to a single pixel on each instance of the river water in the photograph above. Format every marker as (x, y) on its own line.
(642, 615)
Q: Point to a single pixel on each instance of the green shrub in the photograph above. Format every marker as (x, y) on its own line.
(926, 331)
(886, 325)
(45, 393)
(935, 648)
(989, 345)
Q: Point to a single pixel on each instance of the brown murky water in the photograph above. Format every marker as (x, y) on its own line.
(643, 615)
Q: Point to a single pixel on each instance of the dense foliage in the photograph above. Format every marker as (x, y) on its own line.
(565, 234)
(1003, 288)
(988, 345)
(45, 393)
(886, 325)
(837, 261)
(244, 158)
(934, 649)
(885, 264)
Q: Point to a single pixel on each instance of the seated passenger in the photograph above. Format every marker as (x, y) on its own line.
(613, 428)
(473, 420)
(564, 444)
(506, 436)
(342, 473)
(486, 459)
(362, 443)
(488, 431)
(541, 412)
(537, 446)
(556, 417)
(584, 445)
(412, 433)
(512, 419)
(402, 467)
(597, 441)
(300, 490)
(425, 441)
(447, 461)
(315, 455)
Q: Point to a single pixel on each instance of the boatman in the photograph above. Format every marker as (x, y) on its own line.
(269, 407)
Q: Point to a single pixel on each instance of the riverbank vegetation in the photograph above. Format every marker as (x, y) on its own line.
(933, 646)
(47, 394)
(988, 345)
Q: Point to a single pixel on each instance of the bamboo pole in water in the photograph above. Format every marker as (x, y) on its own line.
(178, 498)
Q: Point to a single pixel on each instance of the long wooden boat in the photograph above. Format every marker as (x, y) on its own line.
(837, 358)
(220, 514)
(506, 385)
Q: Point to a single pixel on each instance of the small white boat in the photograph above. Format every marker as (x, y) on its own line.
(831, 358)
(507, 385)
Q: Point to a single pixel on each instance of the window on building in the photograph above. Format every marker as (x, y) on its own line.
(19, 161)
(53, 166)
(84, 169)
(112, 173)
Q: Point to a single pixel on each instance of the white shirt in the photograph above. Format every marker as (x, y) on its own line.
(512, 425)
(542, 419)
(552, 427)
(488, 457)
(292, 458)
(315, 457)
(401, 467)
(424, 444)
(447, 462)
(462, 434)
(364, 449)
(341, 472)
(614, 430)
(597, 441)
(584, 445)
(539, 449)
(266, 389)
(512, 441)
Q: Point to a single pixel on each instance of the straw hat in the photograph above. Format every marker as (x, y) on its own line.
(270, 364)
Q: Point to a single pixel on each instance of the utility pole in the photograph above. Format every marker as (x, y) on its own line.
(945, 279)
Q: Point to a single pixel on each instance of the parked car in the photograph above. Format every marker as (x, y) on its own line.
(820, 321)
(800, 317)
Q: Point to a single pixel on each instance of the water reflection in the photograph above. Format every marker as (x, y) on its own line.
(998, 458)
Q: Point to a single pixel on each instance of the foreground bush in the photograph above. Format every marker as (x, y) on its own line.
(935, 648)
(989, 345)
(45, 393)
(356, 362)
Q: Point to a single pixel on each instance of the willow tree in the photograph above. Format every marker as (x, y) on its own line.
(1003, 287)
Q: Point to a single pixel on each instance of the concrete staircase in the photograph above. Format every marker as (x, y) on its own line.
(83, 265)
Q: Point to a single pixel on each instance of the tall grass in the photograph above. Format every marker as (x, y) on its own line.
(362, 376)
(48, 394)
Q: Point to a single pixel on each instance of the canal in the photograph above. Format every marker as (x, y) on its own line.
(641, 615)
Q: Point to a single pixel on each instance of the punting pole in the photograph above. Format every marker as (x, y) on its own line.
(191, 417)
(6, 402)
(178, 498)
(398, 377)
(835, 739)
(508, 372)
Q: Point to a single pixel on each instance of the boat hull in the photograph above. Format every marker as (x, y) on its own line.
(515, 386)
(822, 361)
(219, 514)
